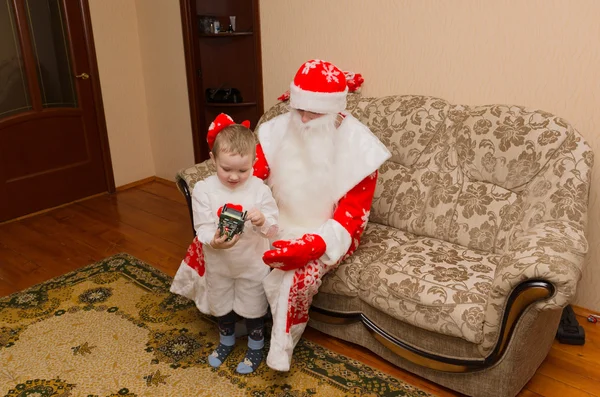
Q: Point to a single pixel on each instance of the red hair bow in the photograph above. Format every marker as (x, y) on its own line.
(221, 121)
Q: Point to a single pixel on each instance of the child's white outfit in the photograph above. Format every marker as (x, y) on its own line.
(220, 281)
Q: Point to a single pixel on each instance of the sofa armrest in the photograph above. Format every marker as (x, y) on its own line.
(553, 251)
(550, 252)
(186, 180)
(194, 174)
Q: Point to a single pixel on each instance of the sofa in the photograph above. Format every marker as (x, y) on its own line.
(475, 241)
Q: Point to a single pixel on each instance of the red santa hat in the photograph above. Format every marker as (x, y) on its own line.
(319, 87)
(221, 121)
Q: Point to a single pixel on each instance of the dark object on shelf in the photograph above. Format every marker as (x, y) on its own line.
(569, 331)
(226, 34)
(223, 95)
(231, 222)
(230, 105)
(204, 23)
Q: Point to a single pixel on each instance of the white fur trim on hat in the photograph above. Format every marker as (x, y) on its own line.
(318, 102)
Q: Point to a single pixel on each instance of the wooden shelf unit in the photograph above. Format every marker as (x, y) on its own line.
(226, 34)
(229, 105)
(226, 60)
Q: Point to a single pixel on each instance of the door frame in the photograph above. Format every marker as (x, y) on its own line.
(189, 29)
(97, 90)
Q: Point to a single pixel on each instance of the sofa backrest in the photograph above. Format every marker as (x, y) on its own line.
(475, 176)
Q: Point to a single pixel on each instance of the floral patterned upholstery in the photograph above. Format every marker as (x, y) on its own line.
(376, 243)
(474, 201)
(196, 173)
(498, 195)
(427, 282)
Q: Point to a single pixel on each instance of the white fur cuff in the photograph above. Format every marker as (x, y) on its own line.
(337, 239)
(318, 102)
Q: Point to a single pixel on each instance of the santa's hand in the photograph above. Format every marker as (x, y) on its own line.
(290, 255)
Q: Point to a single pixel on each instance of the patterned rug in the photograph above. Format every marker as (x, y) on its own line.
(113, 329)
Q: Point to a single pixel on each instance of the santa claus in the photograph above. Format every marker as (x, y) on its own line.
(321, 164)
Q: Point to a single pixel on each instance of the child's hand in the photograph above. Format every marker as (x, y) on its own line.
(256, 217)
(219, 242)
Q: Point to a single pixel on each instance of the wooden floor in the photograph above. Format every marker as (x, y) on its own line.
(150, 222)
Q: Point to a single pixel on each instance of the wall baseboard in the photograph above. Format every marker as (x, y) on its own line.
(583, 312)
(165, 181)
(144, 181)
(136, 183)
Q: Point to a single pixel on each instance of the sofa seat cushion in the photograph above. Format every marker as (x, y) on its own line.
(415, 336)
(433, 284)
(375, 242)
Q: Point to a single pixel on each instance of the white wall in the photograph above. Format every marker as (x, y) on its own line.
(117, 45)
(163, 65)
(144, 87)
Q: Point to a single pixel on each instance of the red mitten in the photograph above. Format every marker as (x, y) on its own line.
(290, 255)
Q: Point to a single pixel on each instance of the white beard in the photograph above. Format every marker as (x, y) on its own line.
(303, 176)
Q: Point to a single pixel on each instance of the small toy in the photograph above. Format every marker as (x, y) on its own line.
(231, 222)
(592, 318)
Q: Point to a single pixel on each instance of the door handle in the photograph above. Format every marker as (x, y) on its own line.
(83, 76)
